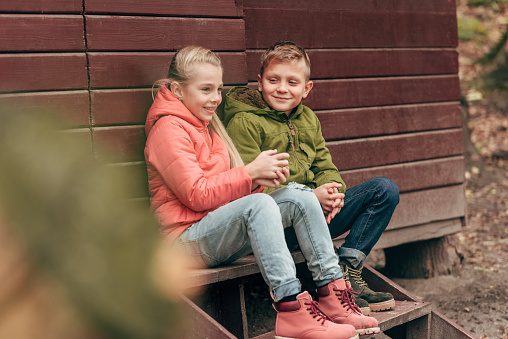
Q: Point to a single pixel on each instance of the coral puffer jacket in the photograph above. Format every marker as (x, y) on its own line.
(188, 167)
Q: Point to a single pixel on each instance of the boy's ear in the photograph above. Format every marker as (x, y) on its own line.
(260, 88)
(176, 89)
(308, 87)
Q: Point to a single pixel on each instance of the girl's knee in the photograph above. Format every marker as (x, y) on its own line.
(263, 202)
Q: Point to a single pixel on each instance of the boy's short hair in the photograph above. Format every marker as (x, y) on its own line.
(285, 51)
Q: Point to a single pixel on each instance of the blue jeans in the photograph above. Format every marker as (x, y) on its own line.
(255, 224)
(368, 208)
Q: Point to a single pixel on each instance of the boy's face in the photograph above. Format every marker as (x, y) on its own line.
(284, 85)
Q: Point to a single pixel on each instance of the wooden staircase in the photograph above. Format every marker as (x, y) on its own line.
(224, 315)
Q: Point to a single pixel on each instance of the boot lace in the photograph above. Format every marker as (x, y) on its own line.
(356, 274)
(347, 299)
(316, 312)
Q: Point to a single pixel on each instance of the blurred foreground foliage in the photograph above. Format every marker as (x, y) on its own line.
(71, 215)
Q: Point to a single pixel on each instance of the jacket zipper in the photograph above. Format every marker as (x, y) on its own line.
(292, 129)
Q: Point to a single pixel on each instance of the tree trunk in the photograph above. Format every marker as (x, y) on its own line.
(425, 259)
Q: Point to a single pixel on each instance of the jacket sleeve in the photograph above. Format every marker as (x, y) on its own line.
(247, 137)
(170, 150)
(323, 167)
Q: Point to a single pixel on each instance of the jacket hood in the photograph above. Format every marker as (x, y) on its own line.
(166, 103)
(245, 99)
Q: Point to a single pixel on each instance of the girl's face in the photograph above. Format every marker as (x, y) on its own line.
(202, 93)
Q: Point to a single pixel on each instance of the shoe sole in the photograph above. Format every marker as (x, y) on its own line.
(382, 306)
(371, 330)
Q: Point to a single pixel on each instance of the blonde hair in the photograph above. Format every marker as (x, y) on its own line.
(181, 70)
(285, 51)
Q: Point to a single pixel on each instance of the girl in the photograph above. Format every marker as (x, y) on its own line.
(209, 203)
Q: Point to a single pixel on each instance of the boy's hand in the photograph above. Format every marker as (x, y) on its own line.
(282, 175)
(337, 206)
(330, 198)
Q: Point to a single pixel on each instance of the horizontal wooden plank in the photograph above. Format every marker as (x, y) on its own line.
(73, 106)
(353, 5)
(413, 176)
(123, 143)
(413, 233)
(386, 150)
(343, 93)
(372, 121)
(134, 33)
(127, 106)
(136, 69)
(36, 72)
(349, 63)
(421, 207)
(123, 106)
(42, 6)
(41, 33)
(219, 8)
(334, 29)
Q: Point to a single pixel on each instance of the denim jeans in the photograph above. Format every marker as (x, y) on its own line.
(255, 224)
(368, 208)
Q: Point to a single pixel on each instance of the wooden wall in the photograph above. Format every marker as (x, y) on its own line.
(385, 72)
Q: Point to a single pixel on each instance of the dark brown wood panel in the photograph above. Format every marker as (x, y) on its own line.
(41, 33)
(372, 121)
(35, 72)
(126, 106)
(370, 152)
(125, 143)
(350, 63)
(413, 176)
(399, 236)
(444, 6)
(70, 105)
(220, 8)
(123, 106)
(335, 29)
(343, 93)
(124, 69)
(428, 206)
(133, 33)
(42, 6)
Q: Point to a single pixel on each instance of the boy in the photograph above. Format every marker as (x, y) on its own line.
(274, 117)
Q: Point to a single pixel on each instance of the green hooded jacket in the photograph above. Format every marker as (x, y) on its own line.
(256, 127)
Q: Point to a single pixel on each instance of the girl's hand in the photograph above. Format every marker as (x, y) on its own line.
(268, 165)
(283, 174)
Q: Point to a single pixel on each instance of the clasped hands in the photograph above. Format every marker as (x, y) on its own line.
(269, 169)
(331, 200)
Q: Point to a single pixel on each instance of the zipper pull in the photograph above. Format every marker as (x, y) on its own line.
(291, 127)
(291, 142)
